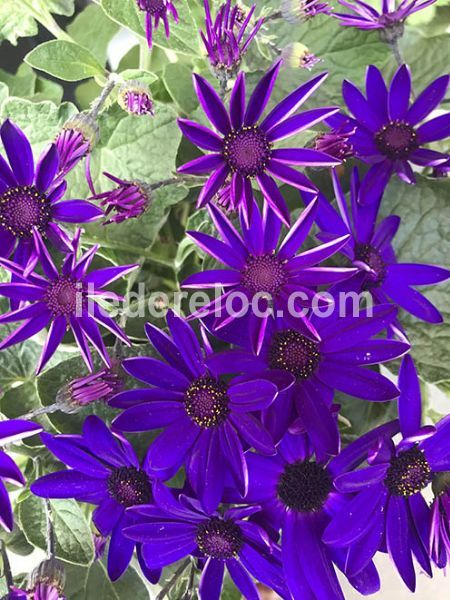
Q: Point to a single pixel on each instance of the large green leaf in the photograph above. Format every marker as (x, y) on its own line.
(65, 60)
(93, 30)
(424, 237)
(72, 532)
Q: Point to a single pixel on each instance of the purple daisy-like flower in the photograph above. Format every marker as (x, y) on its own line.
(134, 97)
(128, 200)
(65, 299)
(440, 521)
(30, 197)
(260, 267)
(389, 499)
(390, 18)
(371, 252)
(303, 10)
(105, 471)
(156, 11)
(243, 146)
(335, 361)
(12, 430)
(388, 134)
(220, 541)
(207, 421)
(295, 491)
(224, 38)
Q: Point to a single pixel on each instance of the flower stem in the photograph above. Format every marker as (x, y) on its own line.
(7, 573)
(170, 584)
(51, 540)
(98, 104)
(393, 44)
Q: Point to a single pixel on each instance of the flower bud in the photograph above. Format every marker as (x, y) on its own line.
(78, 393)
(297, 56)
(135, 99)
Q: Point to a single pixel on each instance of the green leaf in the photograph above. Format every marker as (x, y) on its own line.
(423, 237)
(421, 53)
(72, 532)
(178, 81)
(15, 22)
(93, 583)
(93, 30)
(139, 75)
(65, 60)
(183, 35)
(40, 121)
(4, 92)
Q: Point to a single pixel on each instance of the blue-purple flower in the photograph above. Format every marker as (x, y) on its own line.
(155, 12)
(207, 421)
(220, 541)
(303, 10)
(370, 251)
(62, 299)
(390, 17)
(389, 502)
(128, 200)
(336, 360)
(12, 430)
(243, 145)
(388, 133)
(295, 491)
(440, 521)
(105, 471)
(224, 38)
(30, 197)
(272, 275)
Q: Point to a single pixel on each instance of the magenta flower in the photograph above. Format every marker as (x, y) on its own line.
(243, 146)
(64, 299)
(155, 12)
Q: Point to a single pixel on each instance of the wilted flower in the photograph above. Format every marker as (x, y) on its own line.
(297, 56)
(302, 10)
(156, 11)
(224, 38)
(440, 521)
(243, 147)
(126, 201)
(100, 386)
(336, 142)
(134, 97)
(12, 430)
(64, 299)
(75, 142)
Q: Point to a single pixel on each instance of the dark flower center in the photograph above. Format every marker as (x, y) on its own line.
(304, 486)
(130, 486)
(247, 151)
(292, 352)
(219, 538)
(397, 140)
(409, 473)
(154, 7)
(265, 274)
(206, 402)
(22, 208)
(64, 296)
(372, 257)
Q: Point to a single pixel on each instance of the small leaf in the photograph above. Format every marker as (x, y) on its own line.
(64, 60)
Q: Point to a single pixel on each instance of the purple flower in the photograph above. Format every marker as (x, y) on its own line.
(12, 430)
(75, 142)
(104, 471)
(389, 499)
(135, 99)
(302, 10)
(179, 528)
(388, 135)
(156, 11)
(30, 197)
(100, 386)
(440, 521)
(260, 268)
(207, 421)
(243, 146)
(47, 581)
(64, 299)
(335, 361)
(224, 38)
(371, 252)
(337, 143)
(129, 200)
(390, 18)
(297, 496)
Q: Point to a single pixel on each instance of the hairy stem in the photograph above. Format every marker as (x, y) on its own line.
(51, 540)
(98, 104)
(6, 566)
(396, 52)
(172, 582)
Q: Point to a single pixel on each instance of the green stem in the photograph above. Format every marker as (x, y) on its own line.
(51, 540)
(166, 589)
(6, 567)
(144, 56)
(98, 104)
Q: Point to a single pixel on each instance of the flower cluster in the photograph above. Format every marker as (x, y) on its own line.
(243, 468)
